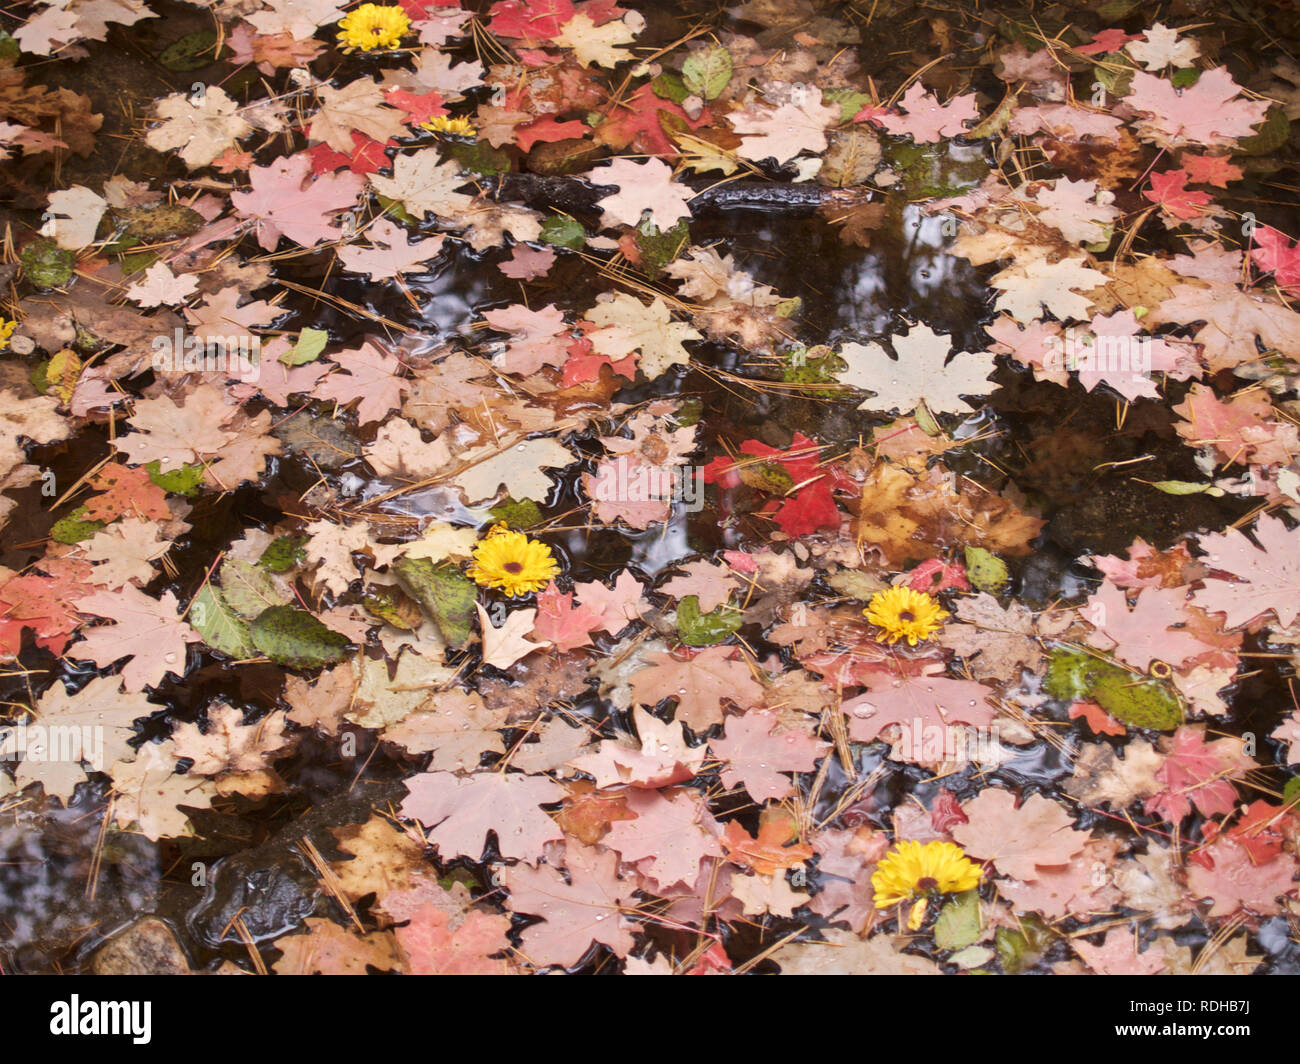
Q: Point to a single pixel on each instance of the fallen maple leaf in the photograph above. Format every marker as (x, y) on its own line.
(460, 813)
(1018, 839)
(149, 631)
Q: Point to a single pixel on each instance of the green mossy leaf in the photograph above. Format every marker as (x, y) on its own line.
(293, 637)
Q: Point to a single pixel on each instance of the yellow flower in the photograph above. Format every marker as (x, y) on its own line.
(372, 26)
(512, 562)
(916, 870)
(6, 330)
(902, 613)
(446, 124)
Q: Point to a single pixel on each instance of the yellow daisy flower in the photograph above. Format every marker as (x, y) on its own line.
(512, 562)
(6, 330)
(373, 26)
(446, 124)
(902, 613)
(920, 870)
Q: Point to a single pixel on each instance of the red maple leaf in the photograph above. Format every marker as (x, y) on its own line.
(548, 129)
(1101, 722)
(641, 123)
(811, 507)
(1169, 190)
(1107, 41)
(533, 20)
(368, 158)
(419, 109)
(1197, 773)
(45, 604)
(1275, 254)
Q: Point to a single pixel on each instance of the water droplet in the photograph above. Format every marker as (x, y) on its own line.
(169, 658)
(972, 702)
(600, 916)
(521, 447)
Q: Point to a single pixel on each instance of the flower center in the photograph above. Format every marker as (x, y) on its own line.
(928, 883)
(513, 567)
(907, 615)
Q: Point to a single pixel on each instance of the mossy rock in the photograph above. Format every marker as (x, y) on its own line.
(170, 221)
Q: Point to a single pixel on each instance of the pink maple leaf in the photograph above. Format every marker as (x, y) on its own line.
(563, 624)
(149, 631)
(699, 683)
(370, 376)
(527, 263)
(533, 20)
(283, 202)
(460, 812)
(1107, 41)
(1267, 576)
(757, 753)
(926, 119)
(1227, 876)
(1118, 955)
(1018, 839)
(583, 908)
(710, 583)
(1207, 113)
(917, 703)
(537, 337)
(1243, 429)
(438, 943)
(1145, 633)
(419, 108)
(671, 834)
(548, 129)
(618, 606)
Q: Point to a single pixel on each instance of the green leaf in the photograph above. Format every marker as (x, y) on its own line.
(220, 626)
(46, 264)
(1184, 487)
(446, 594)
(1185, 77)
(74, 528)
(517, 513)
(972, 957)
(394, 209)
(8, 46)
(708, 74)
(666, 86)
(190, 52)
(182, 481)
(1273, 134)
(283, 554)
(311, 342)
(480, 157)
(704, 629)
(658, 249)
(1023, 948)
(295, 638)
(249, 590)
(851, 101)
(564, 232)
(987, 571)
(1291, 790)
(958, 924)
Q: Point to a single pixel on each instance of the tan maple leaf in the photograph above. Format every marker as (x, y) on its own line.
(201, 127)
(359, 105)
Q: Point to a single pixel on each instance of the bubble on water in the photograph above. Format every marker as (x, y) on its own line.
(169, 657)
